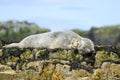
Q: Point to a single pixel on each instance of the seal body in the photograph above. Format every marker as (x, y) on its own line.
(53, 40)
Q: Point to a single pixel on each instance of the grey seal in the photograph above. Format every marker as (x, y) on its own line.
(53, 40)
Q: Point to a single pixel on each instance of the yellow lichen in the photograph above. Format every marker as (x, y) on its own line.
(26, 55)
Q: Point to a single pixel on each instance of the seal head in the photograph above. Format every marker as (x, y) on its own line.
(86, 46)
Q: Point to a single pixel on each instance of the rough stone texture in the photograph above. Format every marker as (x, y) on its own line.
(60, 64)
(108, 71)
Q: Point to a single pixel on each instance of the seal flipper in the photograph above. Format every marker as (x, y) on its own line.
(11, 45)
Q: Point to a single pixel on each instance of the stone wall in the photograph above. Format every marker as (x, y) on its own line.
(60, 64)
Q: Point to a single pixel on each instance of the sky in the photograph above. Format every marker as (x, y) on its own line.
(62, 14)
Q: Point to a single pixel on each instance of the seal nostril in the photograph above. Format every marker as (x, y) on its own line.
(93, 51)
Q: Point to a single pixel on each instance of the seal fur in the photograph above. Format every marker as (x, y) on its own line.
(53, 40)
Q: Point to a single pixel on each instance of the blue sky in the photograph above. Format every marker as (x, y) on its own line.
(62, 14)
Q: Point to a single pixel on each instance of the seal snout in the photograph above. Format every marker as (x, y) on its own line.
(93, 51)
(87, 52)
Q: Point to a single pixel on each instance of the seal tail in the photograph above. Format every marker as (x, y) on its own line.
(11, 45)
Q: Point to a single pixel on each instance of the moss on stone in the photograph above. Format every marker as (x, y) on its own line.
(14, 59)
(103, 56)
(26, 55)
(108, 71)
(47, 72)
(1, 44)
(60, 64)
(42, 54)
(77, 73)
(59, 54)
(4, 68)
